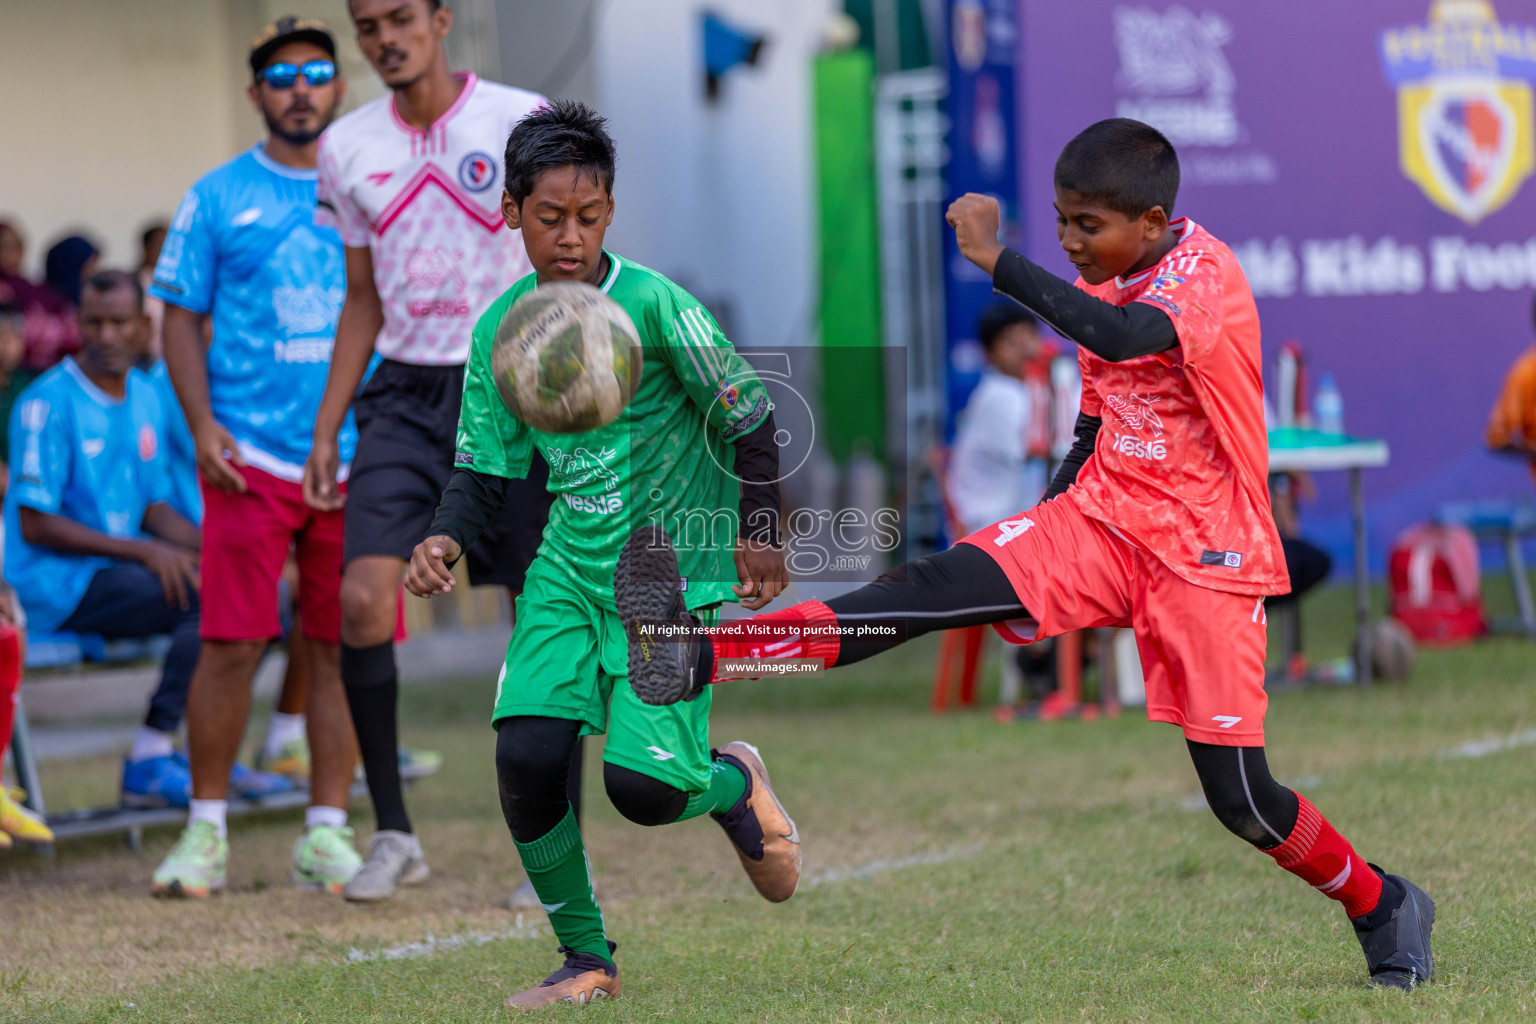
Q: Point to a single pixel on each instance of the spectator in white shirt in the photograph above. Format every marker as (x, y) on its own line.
(991, 473)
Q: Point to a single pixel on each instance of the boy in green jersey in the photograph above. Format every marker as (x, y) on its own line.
(699, 408)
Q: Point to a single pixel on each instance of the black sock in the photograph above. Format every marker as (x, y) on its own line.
(373, 691)
(1392, 896)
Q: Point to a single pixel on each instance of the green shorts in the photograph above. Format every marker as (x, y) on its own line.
(568, 659)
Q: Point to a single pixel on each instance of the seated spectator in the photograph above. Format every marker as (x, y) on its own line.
(11, 379)
(52, 330)
(49, 321)
(1512, 425)
(15, 289)
(91, 544)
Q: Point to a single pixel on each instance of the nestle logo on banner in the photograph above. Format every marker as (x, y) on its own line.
(1175, 76)
(1463, 105)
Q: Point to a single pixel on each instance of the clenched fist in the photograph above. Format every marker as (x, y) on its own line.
(977, 219)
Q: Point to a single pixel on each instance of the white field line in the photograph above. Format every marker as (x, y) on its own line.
(1482, 748)
(1469, 749)
(519, 929)
(832, 876)
(522, 929)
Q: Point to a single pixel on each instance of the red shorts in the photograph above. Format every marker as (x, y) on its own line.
(246, 540)
(1202, 651)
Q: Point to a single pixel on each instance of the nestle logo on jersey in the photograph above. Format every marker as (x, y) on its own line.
(424, 308)
(1129, 444)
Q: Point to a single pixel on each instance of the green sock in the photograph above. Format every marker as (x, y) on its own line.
(557, 866)
(727, 784)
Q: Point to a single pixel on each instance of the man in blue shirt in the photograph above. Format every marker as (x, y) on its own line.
(91, 545)
(244, 249)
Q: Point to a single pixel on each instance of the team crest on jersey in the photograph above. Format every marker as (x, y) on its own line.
(1464, 105)
(149, 444)
(477, 171)
(729, 395)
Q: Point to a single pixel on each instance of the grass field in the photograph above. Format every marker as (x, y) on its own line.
(957, 870)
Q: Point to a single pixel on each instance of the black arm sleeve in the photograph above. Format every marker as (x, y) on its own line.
(757, 467)
(469, 503)
(1087, 430)
(1115, 333)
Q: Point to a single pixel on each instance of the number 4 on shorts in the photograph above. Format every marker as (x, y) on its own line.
(1008, 529)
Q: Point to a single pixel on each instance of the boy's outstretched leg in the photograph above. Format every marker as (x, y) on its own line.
(962, 586)
(533, 757)
(1392, 917)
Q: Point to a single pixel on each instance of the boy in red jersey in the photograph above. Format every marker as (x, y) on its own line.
(1158, 520)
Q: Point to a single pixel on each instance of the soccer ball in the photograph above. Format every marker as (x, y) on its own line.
(566, 358)
(1392, 650)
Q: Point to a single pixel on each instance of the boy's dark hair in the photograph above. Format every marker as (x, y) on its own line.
(104, 281)
(997, 318)
(1123, 164)
(562, 134)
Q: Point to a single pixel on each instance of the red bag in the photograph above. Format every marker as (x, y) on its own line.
(1435, 586)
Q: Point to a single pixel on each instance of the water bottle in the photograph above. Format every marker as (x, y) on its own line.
(1329, 406)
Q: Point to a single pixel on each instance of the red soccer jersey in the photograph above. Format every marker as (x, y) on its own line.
(1182, 461)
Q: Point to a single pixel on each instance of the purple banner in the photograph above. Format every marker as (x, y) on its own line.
(1370, 163)
(983, 157)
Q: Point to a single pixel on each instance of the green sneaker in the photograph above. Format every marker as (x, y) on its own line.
(196, 865)
(292, 760)
(323, 858)
(417, 764)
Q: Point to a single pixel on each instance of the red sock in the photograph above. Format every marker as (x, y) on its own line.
(1316, 852)
(805, 630)
(10, 681)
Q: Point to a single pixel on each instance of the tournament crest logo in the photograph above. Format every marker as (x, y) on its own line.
(477, 171)
(1464, 105)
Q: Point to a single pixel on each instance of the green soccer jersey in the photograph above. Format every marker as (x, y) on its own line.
(667, 459)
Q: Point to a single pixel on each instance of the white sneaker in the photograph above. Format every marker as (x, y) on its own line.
(394, 859)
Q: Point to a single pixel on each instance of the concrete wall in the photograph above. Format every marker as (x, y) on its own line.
(719, 196)
(113, 108)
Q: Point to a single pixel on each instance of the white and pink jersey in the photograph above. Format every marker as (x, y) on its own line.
(429, 206)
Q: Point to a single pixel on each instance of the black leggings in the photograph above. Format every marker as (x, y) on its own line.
(533, 765)
(964, 586)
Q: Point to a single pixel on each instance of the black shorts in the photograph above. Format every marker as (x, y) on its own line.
(407, 417)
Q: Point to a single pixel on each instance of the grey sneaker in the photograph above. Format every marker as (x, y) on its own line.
(394, 859)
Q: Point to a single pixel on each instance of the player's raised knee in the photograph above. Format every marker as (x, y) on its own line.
(641, 798)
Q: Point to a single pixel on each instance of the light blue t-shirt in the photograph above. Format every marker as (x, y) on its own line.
(244, 246)
(180, 453)
(80, 453)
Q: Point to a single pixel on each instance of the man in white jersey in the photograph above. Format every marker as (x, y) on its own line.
(413, 182)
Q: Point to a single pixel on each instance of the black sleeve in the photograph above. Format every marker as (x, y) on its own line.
(757, 467)
(1087, 430)
(1111, 332)
(469, 503)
